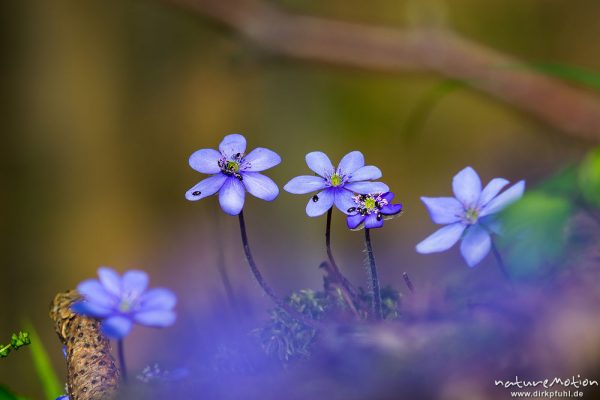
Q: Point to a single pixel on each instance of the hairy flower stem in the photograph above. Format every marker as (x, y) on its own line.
(259, 278)
(263, 284)
(345, 282)
(121, 351)
(408, 282)
(377, 310)
(500, 261)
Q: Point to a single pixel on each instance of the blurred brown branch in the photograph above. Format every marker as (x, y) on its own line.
(569, 109)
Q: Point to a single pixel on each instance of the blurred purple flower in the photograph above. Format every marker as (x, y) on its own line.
(463, 215)
(233, 173)
(64, 397)
(370, 210)
(122, 301)
(336, 185)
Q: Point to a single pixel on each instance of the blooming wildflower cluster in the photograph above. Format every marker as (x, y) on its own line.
(122, 301)
(335, 185)
(468, 215)
(371, 210)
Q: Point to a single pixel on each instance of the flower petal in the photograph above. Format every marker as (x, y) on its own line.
(93, 292)
(232, 145)
(371, 221)
(444, 210)
(261, 159)
(117, 327)
(354, 221)
(157, 319)
(206, 187)
(91, 309)
(366, 173)
(343, 200)
(111, 280)
(351, 162)
(231, 196)
(305, 184)
(491, 223)
(157, 299)
(324, 202)
(504, 199)
(389, 196)
(475, 245)
(319, 163)
(391, 209)
(260, 186)
(442, 239)
(206, 161)
(467, 187)
(491, 190)
(367, 187)
(135, 283)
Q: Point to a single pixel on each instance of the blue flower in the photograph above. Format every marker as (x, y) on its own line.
(63, 397)
(336, 185)
(233, 172)
(122, 301)
(467, 215)
(370, 210)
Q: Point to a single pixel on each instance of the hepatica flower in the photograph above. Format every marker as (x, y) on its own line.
(121, 301)
(233, 172)
(336, 185)
(467, 215)
(370, 210)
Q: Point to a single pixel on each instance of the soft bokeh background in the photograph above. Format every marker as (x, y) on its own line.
(105, 100)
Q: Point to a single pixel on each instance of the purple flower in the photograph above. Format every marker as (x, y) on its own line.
(233, 173)
(370, 210)
(121, 301)
(336, 185)
(467, 215)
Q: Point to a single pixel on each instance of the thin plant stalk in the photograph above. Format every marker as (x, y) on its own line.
(121, 353)
(377, 310)
(336, 270)
(259, 278)
(263, 284)
(500, 262)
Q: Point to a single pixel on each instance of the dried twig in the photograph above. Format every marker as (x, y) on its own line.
(442, 51)
(92, 372)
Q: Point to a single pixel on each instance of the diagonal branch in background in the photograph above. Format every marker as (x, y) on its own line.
(569, 109)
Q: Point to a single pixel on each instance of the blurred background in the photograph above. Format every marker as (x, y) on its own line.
(104, 101)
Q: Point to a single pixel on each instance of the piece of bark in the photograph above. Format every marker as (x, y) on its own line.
(91, 370)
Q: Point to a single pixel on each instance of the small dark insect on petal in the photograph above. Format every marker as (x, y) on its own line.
(352, 209)
(196, 193)
(315, 198)
(379, 217)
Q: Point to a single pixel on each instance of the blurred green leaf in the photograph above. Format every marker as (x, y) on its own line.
(577, 75)
(589, 178)
(6, 394)
(534, 233)
(564, 183)
(51, 385)
(425, 106)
